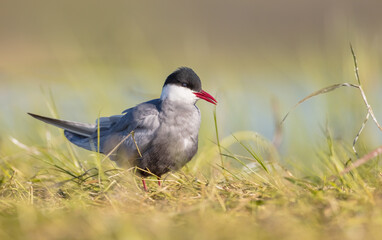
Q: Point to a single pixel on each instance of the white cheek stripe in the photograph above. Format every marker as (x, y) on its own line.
(178, 94)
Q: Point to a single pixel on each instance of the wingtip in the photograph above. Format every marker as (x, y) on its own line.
(38, 117)
(33, 115)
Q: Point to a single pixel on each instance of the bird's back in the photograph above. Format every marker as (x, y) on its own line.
(141, 120)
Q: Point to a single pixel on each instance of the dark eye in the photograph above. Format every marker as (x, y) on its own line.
(184, 84)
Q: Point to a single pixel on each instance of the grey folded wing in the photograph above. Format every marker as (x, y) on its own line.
(114, 131)
(89, 141)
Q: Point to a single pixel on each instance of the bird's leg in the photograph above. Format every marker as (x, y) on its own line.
(144, 184)
(159, 181)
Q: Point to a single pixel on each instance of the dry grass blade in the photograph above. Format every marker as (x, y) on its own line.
(321, 91)
(359, 132)
(217, 138)
(99, 163)
(363, 160)
(335, 86)
(369, 109)
(136, 145)
(355, 64)
(21, 145)
(116, 146)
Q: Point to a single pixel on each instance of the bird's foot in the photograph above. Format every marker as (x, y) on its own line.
(159, 182)
(144, 184)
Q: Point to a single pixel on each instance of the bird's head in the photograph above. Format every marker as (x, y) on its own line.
(184, 86)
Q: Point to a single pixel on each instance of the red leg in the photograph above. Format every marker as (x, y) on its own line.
(159, 182)
(144, 184)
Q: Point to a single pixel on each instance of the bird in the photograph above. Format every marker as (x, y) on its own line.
(156, 137)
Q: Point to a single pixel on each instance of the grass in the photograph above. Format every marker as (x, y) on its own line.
(64, 201)
(265, 200)
(239, 186)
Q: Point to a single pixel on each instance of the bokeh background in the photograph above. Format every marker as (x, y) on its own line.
(101, 57)
(79, 60)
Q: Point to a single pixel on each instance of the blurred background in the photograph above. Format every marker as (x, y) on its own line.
(101, 57)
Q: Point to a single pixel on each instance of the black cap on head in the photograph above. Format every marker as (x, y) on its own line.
(185, 77)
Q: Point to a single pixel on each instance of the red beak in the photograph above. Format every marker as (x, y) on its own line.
(206, 96)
